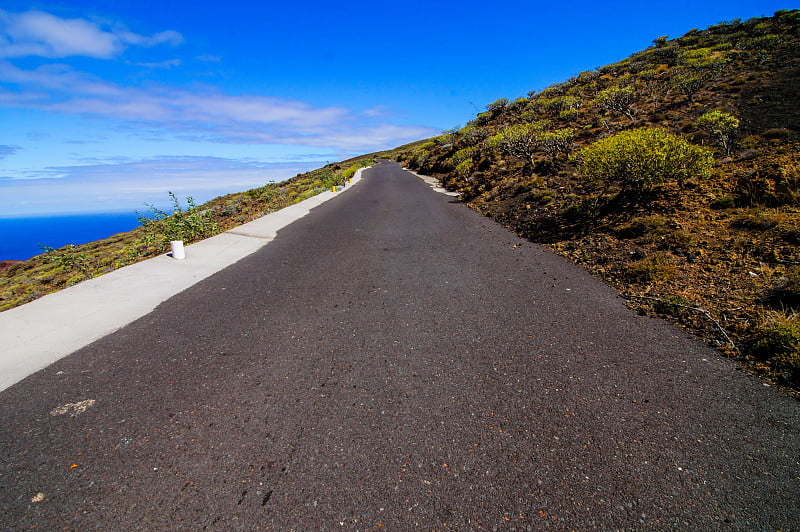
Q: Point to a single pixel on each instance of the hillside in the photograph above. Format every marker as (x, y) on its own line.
(699, 223)
(713, 242)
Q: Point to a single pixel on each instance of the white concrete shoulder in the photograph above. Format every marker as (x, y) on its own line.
(37, 334)
(434, 183)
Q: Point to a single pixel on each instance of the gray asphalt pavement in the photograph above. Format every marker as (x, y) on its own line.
(395, 361)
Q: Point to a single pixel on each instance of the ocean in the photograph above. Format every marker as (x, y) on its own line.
(20, 238)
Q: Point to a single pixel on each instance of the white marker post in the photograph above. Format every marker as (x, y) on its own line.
(178, 252)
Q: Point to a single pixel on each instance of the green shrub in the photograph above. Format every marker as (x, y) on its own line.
(68, 259)
(472, 134)
(561, 103)
(617, 99)
(709, 59)
(464, 167)
(674, 306)
(776, 337)
(656, 267)
(588, 76)
(688, 82)
(519, 140)
(555, 142)
(347, 173)
(641, 158)
(188, 224)
(464, 154)
(497, 105)
(651, 226)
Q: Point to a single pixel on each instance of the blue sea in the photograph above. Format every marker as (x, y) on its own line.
(22, 238)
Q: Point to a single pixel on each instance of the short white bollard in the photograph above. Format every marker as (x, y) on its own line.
(177, 249)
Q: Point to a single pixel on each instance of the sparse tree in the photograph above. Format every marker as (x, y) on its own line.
(520, 140)
(688, 83)
(472, 134)
(558, 141)
(617, 99)
(497, 105)
(721, 124)
(661, 41)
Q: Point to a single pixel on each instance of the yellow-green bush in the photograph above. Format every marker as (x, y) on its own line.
(641, 158)
(720, 124)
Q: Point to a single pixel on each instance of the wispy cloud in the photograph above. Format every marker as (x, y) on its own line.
(169, 63)
(202, 114)
(36, 33)
(5, 151)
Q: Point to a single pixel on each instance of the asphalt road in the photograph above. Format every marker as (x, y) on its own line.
(394, 361)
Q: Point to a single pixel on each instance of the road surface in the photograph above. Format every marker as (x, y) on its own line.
(395, 361)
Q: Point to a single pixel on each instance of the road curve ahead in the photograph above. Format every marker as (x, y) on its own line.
(395, 361)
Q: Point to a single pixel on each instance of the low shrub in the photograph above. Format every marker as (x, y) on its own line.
(188, 224)
(786, 293)
(674, 306)
(464, 167)
(581, 209)
(776, 338)
(656, 267)
(641, 226)
(722, 203)
(638, 159)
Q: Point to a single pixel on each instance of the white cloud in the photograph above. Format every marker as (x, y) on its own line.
(169, 63)
(36, 33)
(41, 34)
(165, 37)
(204, 114)
(377, 111)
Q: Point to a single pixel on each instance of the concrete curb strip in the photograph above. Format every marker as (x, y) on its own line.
(434, 183)
(37, 334)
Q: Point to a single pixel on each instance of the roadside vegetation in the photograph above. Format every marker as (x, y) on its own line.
(673, 175)
(55, 269)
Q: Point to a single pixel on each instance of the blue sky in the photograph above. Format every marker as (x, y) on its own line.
(107, 105)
